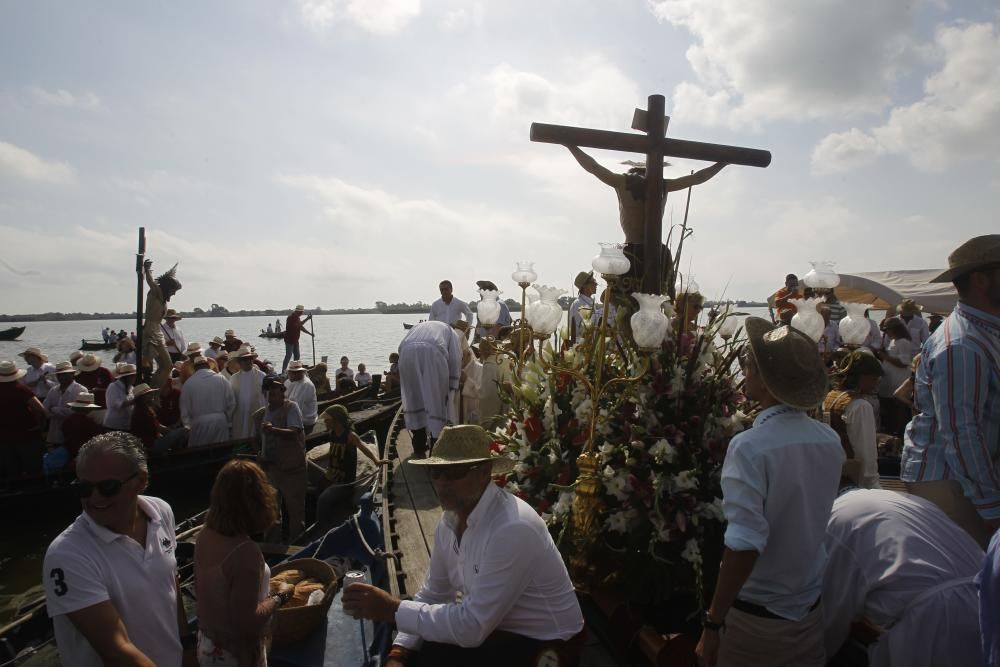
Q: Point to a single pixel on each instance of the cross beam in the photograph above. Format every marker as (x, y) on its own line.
(656, 146)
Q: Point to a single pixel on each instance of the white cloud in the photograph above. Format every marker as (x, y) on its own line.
(383, 17)
(786, 59)
(463, 17)
(146, 188)
(65, 99)
(955, 120)
(24, 164)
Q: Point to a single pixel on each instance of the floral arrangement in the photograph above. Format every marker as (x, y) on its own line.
(661, 430)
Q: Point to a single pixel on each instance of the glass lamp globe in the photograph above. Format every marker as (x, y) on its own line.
(649, 324)
(488, 309)
(688, 286)
(807, 319)
(854, 327)
(611, 261)
(728, 327)
(545, 314)
(525, 273)
(821, 276)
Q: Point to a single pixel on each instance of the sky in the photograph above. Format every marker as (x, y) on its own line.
(338, 152)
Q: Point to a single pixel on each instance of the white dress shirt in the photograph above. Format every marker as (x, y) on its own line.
(44, 376)
(919, 330)
(55, 404)
(779, 480)
(174, 338)
(207, 406)
(900, 562)
(509, 572)
(303, 394)
(859, 418)
(450, 312)
(119, 413)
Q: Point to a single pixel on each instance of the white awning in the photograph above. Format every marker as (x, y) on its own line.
(887, 289)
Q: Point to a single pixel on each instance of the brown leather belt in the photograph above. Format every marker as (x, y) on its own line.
(763, 612)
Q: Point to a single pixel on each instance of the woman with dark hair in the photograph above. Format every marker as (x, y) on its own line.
(342, 468)
(896, 358)
(231, 577)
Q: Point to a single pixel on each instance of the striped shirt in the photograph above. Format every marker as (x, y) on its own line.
(956, 433)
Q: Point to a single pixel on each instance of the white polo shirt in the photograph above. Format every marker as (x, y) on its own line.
(88, 564)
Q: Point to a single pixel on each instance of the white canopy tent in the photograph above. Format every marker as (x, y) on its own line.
(887, 289)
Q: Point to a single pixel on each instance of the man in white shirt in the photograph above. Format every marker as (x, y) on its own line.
(300, 390)
(517, 605)
(919, 330)
(587, 284)
(246, 384)
(898, 563)
(448, 309)
(173, 336)
(56, 400)
(779, 481)
(207, 405)
(214, 347)
(111, 577)
(119, 399)
(430, 367)
(40, 376)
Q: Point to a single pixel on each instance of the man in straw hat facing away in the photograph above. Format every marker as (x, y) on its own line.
(93, 375)
(40, 376)
(231, 342)
(587, 286)
(518, 606)
(919, 330)
(154, 345)
(207, 405)
(119, 396)
(294, 326)
(302, 391)
(779, 480)
(246, 383)
(193, 350)
(21, 419)
(430, 366)
(951, 448)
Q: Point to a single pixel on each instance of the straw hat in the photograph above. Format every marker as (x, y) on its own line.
(299, 308)
(487, 285)
(217, 341)
(36, 352)
(9, 372)
(142, 389)
(789, 365)
(193, 349)
(858, 363)
(89, 362)
(75, 357)
(121, 370)
(84, 400)
(466, 443)
(461, 325)
(296, 366)
(171, 314)
(908, 307)
(244, 351)
(583, 278)
(973, 254)
(64, 367)
(198, 360)
(229, 332)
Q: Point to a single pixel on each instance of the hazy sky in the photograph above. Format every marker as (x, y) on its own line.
(335, 152)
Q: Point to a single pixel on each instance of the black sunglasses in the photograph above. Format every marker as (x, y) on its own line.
(451, 473)
(109, 488)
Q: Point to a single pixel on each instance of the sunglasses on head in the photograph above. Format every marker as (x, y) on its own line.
(452, 473)
(109, 488)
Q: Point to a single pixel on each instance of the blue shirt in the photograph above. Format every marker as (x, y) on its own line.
(956, 433)
(779, 481)
(989, 602)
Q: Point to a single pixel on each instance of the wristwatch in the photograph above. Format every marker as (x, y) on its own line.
(709, 624)
(282, 598)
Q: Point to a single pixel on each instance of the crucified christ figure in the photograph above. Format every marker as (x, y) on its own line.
(153, 343)
(631, 190)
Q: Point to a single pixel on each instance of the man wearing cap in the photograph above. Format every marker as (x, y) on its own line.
(281, 441)
(214, 347)
(173, 336)
(517, 606)
(503, 320)
(852, 415)
(207, 405)
(294, 326)
(119, 395)
(447, 309)
(587, 286)
(247, 386)
(300, 390)
(780, 300)
(93, 376)
(951, 447)
(779, 480)
(40, 376)
(57, 400)
(21, 419)
(430, 366)
(919, 330)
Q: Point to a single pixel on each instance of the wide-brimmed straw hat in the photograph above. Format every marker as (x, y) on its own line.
(171, 314)
(244, 351)
(84, 400)
(908, 307)
(9, 372)
(193, 348)
(299, 308)
(296, 366)
(973, 254)
(198, 360)
(121, 370)
(217, 341)
(34, 351)
(466, 443)
(858, 363)
(788, 363)
(142, 389)
(487, 285)
(583, 278)
(75, 356)
(65, 367)
(88, 362)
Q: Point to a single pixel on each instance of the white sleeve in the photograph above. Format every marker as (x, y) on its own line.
(859, 418)
(744, 489)
(436, 588)
(72, 581)
(844, 591)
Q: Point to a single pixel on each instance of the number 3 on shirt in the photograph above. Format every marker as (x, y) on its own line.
(58, 581)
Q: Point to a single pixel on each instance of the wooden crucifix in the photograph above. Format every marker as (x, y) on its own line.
(655, 145)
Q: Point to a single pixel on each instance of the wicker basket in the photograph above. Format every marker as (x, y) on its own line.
(295, 623)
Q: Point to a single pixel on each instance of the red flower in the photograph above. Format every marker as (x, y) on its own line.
(533, 428)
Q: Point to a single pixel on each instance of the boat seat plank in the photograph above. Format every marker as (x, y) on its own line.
(417, 512)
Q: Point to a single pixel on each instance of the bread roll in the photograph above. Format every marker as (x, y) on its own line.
(304, 588)
(289, 576)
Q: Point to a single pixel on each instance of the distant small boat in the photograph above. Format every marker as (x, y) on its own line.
(407, 325)
(12, 333)
(90, 345)
(271, 334)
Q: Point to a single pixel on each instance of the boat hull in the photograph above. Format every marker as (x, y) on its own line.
(12, 333)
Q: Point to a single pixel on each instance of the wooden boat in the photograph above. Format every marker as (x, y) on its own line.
(407, 325)
(91, 345)
(271, 334)
(11, 333)
(190, 469)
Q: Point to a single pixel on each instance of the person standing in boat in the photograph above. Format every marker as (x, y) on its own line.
(154, 346)
(779, 480)
(294, 326)
(231, 342)
(120, 401)
(587, 286)
(40, 376)
(909, 313)
(281, 442)
(333, 505)
(110, 579)
(430, 366)
(270, 329)
(56, 404)
(447, 309)
(518, 606)
(207, 405)
(94, 376)
(174, 337)
(302, 391)
(214, 347)
(852, 415)
(247, 384)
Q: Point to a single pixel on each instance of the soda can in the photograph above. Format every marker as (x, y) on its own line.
(352, 577)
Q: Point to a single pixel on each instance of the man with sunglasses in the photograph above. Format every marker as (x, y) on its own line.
(517, 605)
(111, 577)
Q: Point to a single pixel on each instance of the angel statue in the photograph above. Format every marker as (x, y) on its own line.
(153, 343)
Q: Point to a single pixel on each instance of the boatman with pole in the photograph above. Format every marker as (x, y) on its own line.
(294, 325)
